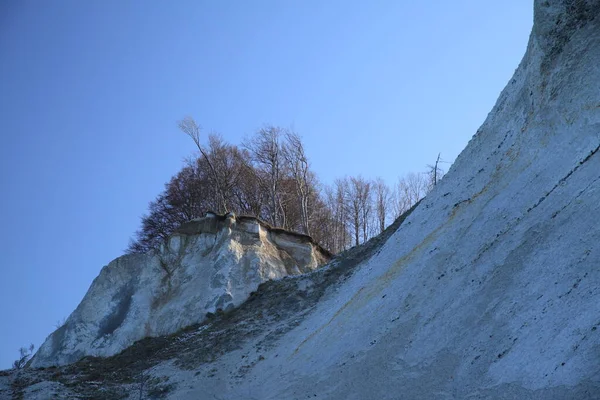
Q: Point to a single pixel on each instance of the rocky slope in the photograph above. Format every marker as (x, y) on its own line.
(212, 264)
(489, 289)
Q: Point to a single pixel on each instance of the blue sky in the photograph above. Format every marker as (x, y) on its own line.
(91, 92)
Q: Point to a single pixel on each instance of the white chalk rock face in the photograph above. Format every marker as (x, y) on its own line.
(210, 264)
(490, 289)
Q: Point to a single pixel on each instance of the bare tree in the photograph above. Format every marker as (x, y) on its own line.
(359, 198)
(190, 193)
(160, 222)
(434, 172)
(270, 177)
(230, 164)
(342, 211)
(25, 354)
(192, 129)
(266, 151)
(408, 191)
(382, 202)
(322, 220)
(186, 193)
(366, 207)
(248, 193)
(336, 198)
(297, 163)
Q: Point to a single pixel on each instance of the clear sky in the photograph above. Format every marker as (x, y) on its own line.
(90, 92)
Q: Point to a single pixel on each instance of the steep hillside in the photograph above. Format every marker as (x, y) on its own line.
(489, 289)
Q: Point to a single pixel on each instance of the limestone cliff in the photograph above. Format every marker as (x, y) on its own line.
(210, 264)
(489, 289)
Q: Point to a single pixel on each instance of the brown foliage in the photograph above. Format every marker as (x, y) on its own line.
(270, 178)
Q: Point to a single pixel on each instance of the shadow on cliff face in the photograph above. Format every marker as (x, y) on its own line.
(111, 322)
(553, 27)
(285, 303)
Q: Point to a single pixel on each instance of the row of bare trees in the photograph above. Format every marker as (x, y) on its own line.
(360, 208)
(269, 176)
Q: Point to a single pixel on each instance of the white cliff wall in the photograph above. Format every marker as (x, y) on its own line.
(491, 288)
(213, 263)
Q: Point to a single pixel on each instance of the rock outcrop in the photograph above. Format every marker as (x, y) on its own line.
(489, 289)
(211, 264)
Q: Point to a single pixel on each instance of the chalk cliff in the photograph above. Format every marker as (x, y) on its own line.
(211, 264)
(489, 289)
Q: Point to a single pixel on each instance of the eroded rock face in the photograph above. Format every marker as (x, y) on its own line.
(210, 264)
(489, 289)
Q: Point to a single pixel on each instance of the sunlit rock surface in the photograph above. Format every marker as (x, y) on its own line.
(212, 264)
